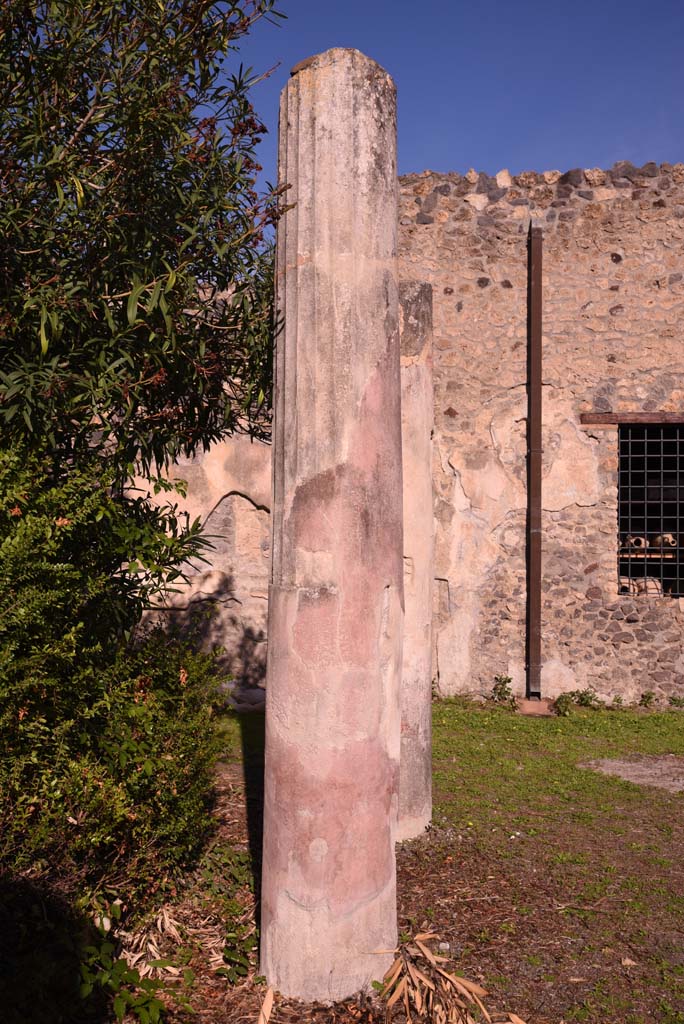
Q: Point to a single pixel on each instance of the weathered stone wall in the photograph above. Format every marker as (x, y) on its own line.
(613, 326)
(613, 329)
(226, 600)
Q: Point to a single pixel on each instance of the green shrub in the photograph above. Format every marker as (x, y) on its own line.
(136, 323)
(78, 561)
(105, 974)
(108, 740)
(116, 793)
(563, 705)
(105, 770)
(502, 692)
(587, 698)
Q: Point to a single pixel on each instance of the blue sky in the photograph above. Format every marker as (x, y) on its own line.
(527, 85)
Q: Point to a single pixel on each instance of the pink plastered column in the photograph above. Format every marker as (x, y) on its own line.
(336, 598)
(417, 417)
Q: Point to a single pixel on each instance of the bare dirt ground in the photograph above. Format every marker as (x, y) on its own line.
(665, 771)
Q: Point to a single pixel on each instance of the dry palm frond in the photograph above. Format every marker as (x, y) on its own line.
(419, 983)
(151, 948)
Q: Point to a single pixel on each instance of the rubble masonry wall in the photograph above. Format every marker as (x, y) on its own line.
(613, 309)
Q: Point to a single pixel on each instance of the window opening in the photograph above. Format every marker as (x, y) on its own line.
(650, 504)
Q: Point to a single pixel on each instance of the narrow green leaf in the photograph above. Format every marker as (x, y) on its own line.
(43, 335)
(154, 297)
(132, 305)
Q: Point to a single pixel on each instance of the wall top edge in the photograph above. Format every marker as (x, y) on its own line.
(622, 172)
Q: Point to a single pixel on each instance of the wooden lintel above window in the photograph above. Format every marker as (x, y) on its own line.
(611, 419)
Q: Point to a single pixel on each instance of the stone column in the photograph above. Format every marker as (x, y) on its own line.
(336, 598)
(417, 419)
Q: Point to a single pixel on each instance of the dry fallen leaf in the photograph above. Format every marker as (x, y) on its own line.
(476, 990)
(266, 1007)
(427, 953)
(397, 993)
(391, 977)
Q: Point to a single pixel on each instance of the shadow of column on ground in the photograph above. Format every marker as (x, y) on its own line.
(252, 730)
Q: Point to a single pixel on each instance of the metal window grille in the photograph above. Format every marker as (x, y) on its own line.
(650, 509)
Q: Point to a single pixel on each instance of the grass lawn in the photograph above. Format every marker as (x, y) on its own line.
(559, 888)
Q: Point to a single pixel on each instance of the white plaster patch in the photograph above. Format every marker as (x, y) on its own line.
(486, 483)
(516, 670)
(318, 849)
(557, 678)
(573, 478)
(453, 652)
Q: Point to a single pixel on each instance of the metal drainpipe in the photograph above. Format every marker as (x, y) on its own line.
(534, 464)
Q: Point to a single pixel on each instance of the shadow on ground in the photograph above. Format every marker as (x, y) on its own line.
(41, 942)
(252, 735)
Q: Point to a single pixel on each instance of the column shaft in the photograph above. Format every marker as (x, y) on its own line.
(417, 417)
(336, 599)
